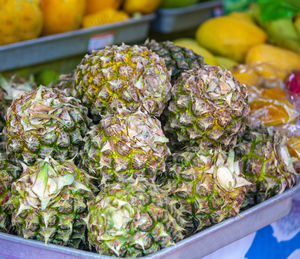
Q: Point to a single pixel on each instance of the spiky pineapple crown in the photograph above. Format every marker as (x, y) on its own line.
(49, 202)
(123, 76)
(125, 146)
(45, 122)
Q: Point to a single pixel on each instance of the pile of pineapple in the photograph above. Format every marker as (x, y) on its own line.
(137, 149)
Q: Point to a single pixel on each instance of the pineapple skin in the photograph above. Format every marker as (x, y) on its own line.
(208, 105)
(49, 202)
(19, 20)
(206, 186)
(124, 147)
(266, 163)
(132, 220)
(11, 89)
(8, 174)
(130, 77)
(177, 59)
(45, 122)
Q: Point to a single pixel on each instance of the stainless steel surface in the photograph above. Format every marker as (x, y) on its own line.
(196, 246)
(72, 43)
(180, 19)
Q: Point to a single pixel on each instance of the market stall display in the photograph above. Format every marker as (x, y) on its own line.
(182, 172)
(155, 149)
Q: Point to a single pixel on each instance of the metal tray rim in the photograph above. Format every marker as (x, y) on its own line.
(96, 29)
(163, 252)
(188, 9)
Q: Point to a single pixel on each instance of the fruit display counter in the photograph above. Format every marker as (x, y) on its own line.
(196, 246)
(156, 149)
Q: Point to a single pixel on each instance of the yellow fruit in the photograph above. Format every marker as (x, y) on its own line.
(141, 6)
(294, 146)
(19, 20)
(108, 15)
(229, 37)
(271, 112)
(225, 62)
(246, 75)
(275, 93)
(62, 16)
(193, 45)
(95, 6)
(283, 61)
(243, 16)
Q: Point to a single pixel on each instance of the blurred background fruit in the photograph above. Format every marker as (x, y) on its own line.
(62, 16)
(95, 6)
(19, 20)
(225, 62)
(105, 16)
(292, 83)
(176, 3)
(229, 37)
(193, 45)
(285, 61)
(141, 6)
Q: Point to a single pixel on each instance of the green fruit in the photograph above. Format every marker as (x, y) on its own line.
(131, 220)
(45, 122)
(177, 59)
(176, 3)
(225, 62)
(130, 77)
(49, 202)
(47, 77)
(208, 105)
(124, 147)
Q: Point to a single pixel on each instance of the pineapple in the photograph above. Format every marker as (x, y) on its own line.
(266, 163)
(208, 105)
(206, 185)
(12, 89)
(8, 173)
(62, 16)
(123, 76)
(19, 20)
(177, 59)
(45, 122)
(125, 146)
(131, 220)
(106, 16)
(65, 83)
(49, 202)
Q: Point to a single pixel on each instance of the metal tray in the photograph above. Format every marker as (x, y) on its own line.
(72, 43)
(196, 246)
(180, 19)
